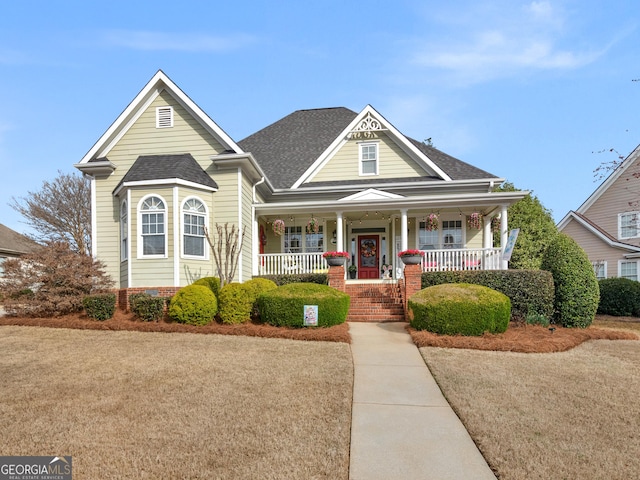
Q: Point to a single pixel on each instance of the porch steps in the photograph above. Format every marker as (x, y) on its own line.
(375, 302)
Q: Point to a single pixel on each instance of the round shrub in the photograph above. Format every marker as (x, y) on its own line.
(459, 308)
(284, 306)
(100, 306)
(619, 297)
(236, 303)
(576, 287)
(193, 305)
(212, 283)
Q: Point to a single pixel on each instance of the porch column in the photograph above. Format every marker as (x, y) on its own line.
(504, 234)
(339, 234)
(255, 242)
(403, 227)
(487, 236)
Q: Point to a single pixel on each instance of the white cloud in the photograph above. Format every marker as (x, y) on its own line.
(186, 42)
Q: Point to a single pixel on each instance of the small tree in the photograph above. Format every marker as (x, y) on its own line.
(60, 211)
(226, 246)
(51, 281)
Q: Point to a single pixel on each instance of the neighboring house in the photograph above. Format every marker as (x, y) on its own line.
(607, 224)
(13, 244)
(164, 170)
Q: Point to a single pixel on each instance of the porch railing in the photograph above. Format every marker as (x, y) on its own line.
(461, 259)
(433, 261)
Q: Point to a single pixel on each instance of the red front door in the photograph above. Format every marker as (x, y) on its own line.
(368, 253)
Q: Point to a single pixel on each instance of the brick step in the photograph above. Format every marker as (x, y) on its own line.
(375, 303)
(375, 318)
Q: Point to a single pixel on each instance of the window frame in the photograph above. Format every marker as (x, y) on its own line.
(183, 234)
(621, 262)
(124, 231)
(141, 212)
(304, 243)
(600, 265)
(620, 226)
(362, 160)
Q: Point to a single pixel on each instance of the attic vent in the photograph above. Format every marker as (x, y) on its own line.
(164, 117)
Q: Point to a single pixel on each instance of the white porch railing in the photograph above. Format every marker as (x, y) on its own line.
(461, 259)
(291, 263)
(433, 261)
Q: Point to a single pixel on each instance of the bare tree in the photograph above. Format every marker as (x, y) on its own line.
(60, 211)
(226, 246)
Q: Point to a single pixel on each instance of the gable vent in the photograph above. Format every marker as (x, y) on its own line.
(164, 117)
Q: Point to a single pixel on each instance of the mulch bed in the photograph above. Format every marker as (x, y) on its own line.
(127, 321)
(522, 338)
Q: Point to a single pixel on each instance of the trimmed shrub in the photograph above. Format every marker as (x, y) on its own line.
(100, 306)
(619, 297)
(212, 283)
(193, 305)
(530, 291)
(147, 307)
(285, 279)
(284, 306)
(459, 308)
(576, 288)
(238, 300)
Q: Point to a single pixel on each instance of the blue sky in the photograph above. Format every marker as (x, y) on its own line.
(530, 91)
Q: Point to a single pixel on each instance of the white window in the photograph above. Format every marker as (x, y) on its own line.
(368, 159)
(314, 242)
(452, 233)
(297, 240)
(600, 269)
(629, 270)
(194, 221)
(629, 225)
(164, 117)
(153, 227)
(2, 259)
(293, 239)
(124, 231)
(428, 239)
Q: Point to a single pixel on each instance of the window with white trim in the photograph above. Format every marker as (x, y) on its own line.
(293, 239)
(600, 269)
(629, 225)
(428, 239)
(124, 231)
(314, 242)
(194, 220)
(368, 159)
(2, 260)
(164, 117)
(153, 227)
(452, 233)
(629, 270)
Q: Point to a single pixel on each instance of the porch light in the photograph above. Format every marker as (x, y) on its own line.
(334, 238)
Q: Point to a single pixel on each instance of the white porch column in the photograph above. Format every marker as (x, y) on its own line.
(403, 227)
(487, 235)
(255, 240)
(504, 233)
(339, 234)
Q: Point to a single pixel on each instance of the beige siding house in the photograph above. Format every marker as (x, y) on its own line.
(337, 179)
(13, 244)
(607, 224)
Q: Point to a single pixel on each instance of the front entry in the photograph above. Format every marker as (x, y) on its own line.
(368, 253)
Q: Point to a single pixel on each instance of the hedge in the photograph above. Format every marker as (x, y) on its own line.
(530, 291)
(100, 306)
(147, 307)
(285, 279)
(619, 297)
(237, 300)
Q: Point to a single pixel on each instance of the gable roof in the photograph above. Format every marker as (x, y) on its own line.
(291, 148)
(14, 243)
(598, 232)
(159, 82)
(166, 169)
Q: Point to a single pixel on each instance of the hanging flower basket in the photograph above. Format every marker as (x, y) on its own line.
(431, 222)
(313, 226)
(474, 221)
(495, 224)
(278, 227)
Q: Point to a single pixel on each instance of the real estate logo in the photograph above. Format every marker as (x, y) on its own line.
(36, 468)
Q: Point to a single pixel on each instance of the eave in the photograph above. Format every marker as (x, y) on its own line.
(104, 167)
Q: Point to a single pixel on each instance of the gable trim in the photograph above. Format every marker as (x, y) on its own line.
(346, 135)
(598, 233)
(370, 194)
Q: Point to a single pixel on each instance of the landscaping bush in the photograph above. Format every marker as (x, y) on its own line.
(285, 279)
(100, 306)
(238, 300)
(193, 305)
(530, 291)
(284, 306)
(212, 283)
(537, 319)
(147, 307)
(576, 287)
(459, 308)
(619, 297)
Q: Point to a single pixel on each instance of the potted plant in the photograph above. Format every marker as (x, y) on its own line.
(335, 258)
(352, 271)
(411, 257)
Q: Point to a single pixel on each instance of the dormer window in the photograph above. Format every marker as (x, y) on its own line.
(368, 159)
(164, 117)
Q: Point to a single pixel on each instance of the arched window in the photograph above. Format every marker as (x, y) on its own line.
(153, 218)
(124, 231)
(194, 221)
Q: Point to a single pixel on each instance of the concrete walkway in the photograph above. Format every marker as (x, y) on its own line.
(402, 426)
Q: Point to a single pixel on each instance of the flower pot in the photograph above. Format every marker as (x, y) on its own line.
(335, 261)
(352, 274)
(411, 259)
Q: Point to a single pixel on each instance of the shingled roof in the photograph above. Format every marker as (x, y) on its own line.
(288, 147)
(161, 167)
(14, 243)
